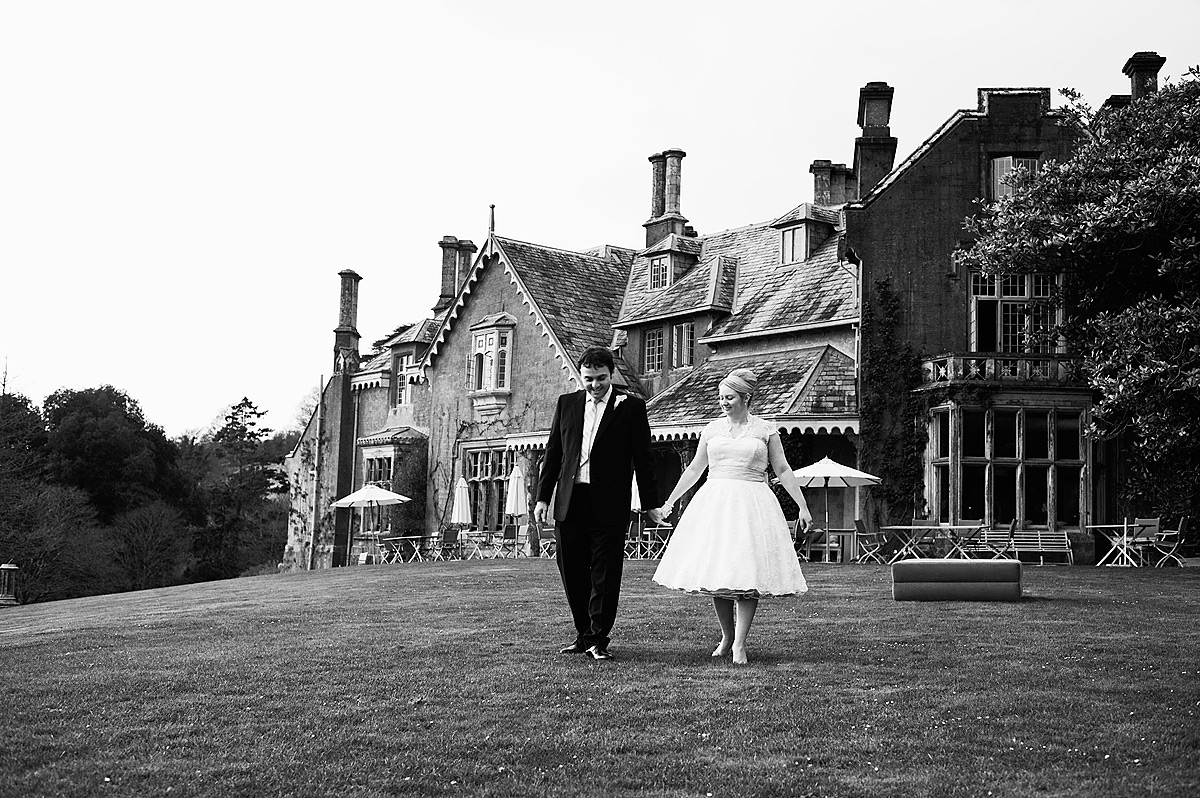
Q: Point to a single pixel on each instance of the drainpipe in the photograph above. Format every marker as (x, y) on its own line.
(312, 542)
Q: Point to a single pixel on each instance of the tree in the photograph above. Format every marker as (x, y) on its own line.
(51, 533)
(99, 441)
(147, 546)
(247, 525)
(22, 448)
(1120, 221)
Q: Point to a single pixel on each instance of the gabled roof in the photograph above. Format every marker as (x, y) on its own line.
(957, 118)
(806, 211)
(573, 296)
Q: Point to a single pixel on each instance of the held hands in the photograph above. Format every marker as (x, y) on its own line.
(659, 515)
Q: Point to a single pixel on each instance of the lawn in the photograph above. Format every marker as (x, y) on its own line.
(442, 679)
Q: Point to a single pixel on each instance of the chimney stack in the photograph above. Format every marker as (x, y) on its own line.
(345, 335)
(875, 149)
(1142, 71)
(822, 172)
(658, 186)
(665, 217)
(456, 262)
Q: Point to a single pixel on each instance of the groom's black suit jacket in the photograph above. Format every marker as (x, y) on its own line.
(621, 446)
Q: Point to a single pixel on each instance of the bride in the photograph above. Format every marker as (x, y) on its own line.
(732, 542)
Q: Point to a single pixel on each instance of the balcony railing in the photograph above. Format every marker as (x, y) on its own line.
(1041, 369)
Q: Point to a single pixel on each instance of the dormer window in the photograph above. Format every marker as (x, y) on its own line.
(660, 272)
(795, 244)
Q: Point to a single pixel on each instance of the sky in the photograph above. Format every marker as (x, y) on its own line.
(181, 182)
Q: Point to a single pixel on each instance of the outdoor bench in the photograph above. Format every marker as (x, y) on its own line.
(1041, 542)
(956, 580)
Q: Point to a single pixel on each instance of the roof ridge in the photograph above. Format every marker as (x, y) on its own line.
(560, 249)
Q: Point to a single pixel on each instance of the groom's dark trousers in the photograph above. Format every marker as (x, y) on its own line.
(592, 518)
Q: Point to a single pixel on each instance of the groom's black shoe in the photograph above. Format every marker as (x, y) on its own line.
(599, 652)
(574, 648)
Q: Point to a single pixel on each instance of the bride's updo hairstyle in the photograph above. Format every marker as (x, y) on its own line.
(744, 382)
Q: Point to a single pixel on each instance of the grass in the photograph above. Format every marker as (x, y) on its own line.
(441, 679)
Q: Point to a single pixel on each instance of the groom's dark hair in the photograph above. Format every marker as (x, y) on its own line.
(595, 357)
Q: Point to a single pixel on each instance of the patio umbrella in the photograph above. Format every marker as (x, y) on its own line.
(516, 502)
(461, 512)
(828, 474)
(369, 496)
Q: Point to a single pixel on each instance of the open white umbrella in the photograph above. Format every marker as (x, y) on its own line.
(516, 502)
(370, 496)
(460, 513)
(826, 473)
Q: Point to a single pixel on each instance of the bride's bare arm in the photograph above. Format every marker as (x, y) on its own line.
(786, 478)
(690, 474)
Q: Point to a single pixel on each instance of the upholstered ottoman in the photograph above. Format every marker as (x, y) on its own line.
(956, 580)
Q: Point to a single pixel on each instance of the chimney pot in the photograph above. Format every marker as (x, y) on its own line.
(875, 108)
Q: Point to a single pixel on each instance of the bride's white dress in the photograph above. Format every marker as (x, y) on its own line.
(733, 540)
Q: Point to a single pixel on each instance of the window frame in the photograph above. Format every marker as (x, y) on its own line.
(653, 343)
(660, 272)
(787, 244)
(1012, 312)
(489, 361)
(683, 344)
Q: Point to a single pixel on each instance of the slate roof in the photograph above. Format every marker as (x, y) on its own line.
(813, 382)
(769, 297)
(780, 378)
(578, 295)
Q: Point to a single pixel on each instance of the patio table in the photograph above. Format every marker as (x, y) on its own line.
(1123, 539)
(913, 535)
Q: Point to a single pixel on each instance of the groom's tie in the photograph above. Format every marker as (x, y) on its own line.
(592, 412)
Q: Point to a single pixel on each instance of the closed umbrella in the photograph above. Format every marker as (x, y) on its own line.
(826, 473)
(516, 502)
(461, 511)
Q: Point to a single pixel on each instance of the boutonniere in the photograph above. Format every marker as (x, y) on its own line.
(617, 402)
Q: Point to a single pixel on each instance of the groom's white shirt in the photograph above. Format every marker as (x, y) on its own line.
(593, 412)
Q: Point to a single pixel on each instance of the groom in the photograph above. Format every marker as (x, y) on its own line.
(598, 438)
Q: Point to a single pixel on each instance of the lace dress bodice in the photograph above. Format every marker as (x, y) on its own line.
(743, 457)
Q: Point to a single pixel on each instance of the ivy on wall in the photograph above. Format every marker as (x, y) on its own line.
(893, 418)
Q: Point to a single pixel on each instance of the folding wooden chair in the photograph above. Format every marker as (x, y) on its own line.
(655, 539)
(1145, 532)
(546, 542)
(870, 544)
(507, 542)
(1169, 544)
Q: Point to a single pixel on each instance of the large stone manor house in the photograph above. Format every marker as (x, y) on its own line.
(469, 392)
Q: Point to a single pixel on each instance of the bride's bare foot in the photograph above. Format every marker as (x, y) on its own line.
(739, 655)
(722, 649)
